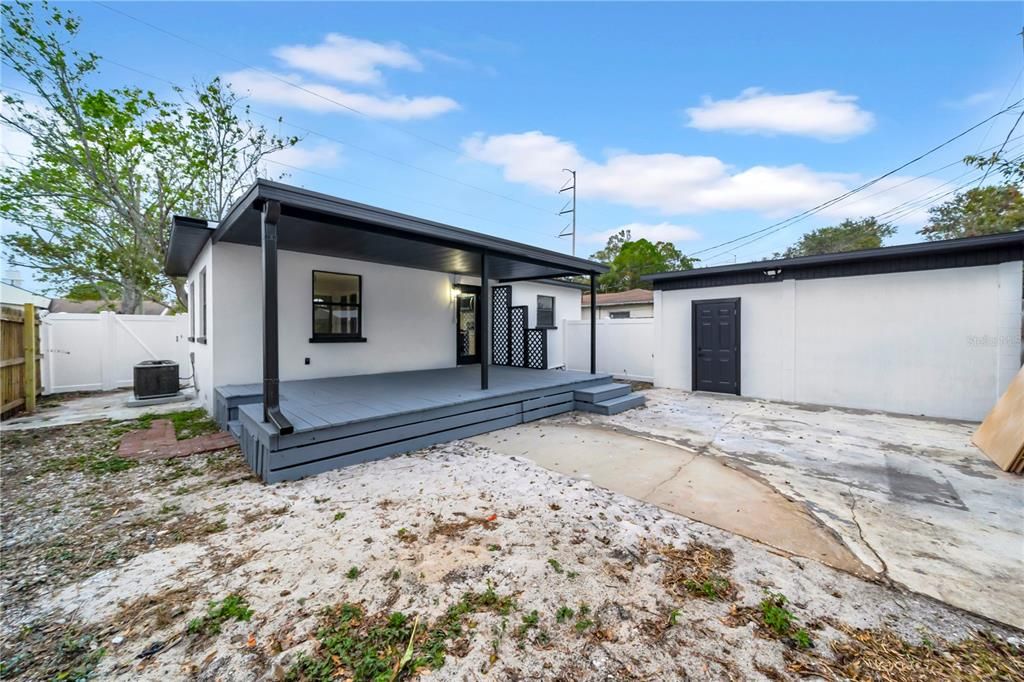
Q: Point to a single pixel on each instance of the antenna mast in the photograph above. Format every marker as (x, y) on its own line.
(570, 229)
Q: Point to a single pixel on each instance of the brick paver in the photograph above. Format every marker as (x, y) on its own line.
(159, 442)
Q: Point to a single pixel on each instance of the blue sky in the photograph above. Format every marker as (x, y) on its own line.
(692, 122)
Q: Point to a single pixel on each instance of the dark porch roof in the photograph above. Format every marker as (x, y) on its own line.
(312, 222)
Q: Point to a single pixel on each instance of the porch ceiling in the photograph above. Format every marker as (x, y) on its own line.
(318, 223)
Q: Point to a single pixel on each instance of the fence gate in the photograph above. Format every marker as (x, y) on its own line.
(20, 379)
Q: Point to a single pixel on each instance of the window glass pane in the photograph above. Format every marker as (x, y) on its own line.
(344, 319)
(545, 311)
(202, 303)
(192, 309)
(336, 304)
(329, 287)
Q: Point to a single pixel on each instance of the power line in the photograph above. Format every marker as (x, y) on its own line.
(775, 227)
(1001, 147)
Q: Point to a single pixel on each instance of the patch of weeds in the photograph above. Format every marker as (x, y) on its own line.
(775, 615)
(384, 647)
(98, 462)
(556, 566)
(232, 607)
(563, 614)
(530, 622)
(338, 516)
(673, 617)
(217, 526)
(583, 623)
(181, 490)
(404, 535)
(572, 575)
(699, 570)
(714, 587)
(493, 548)
(352, 573)
(167, 508)
(187, 423)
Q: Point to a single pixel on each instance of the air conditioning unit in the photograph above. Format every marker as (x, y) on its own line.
(155, 379)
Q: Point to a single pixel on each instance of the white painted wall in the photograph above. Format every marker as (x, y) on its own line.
(625, 348)
(98, 351)
(943, 343)
(408, 318)
(202, 353)
(567, 308)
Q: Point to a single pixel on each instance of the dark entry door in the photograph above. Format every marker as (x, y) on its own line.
(467, 317)
(716, 345)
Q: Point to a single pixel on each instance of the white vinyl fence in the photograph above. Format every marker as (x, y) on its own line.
(625, 348)
(98, 351)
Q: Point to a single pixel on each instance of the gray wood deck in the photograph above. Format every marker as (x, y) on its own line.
(335, 401)
(346, 420)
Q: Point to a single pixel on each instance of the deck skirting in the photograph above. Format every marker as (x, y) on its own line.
(275, 458)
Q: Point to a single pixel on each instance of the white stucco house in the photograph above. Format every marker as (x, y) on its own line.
(928, 329)
(326, 332)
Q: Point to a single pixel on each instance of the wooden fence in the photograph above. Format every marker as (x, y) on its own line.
(19, 339)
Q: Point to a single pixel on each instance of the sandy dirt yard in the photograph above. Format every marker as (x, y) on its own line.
(455, 562)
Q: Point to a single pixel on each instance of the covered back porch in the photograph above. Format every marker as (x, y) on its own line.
(290, 429)
(347, 420)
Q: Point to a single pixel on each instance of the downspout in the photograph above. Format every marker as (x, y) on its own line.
(485, 320)
(271, 371)
(593, 324)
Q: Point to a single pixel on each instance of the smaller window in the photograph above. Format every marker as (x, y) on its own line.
(545, 311)
(337, 307)
(192, 311)
(619, 315)
(201, 306)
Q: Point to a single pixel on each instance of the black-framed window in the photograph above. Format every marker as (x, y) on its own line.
(192, 311)
(201, 306)
(619, 315)
(545, 311)
(337, 306)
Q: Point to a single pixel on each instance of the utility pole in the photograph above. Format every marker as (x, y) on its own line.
(570, 229)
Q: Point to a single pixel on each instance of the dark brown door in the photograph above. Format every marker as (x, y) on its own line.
(716, 346)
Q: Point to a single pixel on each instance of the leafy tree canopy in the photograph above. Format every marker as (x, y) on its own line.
(629, 259)
(989, 209)
(849, 235)
(110, 167)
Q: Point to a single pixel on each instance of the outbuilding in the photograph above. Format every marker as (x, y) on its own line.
(928, 329)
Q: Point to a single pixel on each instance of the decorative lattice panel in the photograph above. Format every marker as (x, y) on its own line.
(517, 335)
(501, 302)
(537, 349)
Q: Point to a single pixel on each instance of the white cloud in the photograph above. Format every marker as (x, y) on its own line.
(659, 232)
(975, 99)
(675, 184)
(303, 155)
(265, 87)
(349, 59)
(822, 114)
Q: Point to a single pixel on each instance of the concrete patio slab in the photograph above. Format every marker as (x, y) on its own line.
(909, 497)
(80, 408)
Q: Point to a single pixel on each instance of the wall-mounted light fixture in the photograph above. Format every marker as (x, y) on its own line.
(773, 273)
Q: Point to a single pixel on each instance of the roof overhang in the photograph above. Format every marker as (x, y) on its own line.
(317, 223)
(948, 253)
(188, 237)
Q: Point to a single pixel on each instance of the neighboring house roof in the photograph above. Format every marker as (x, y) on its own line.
(15, 295)
(948, 253)
(622, 297)
(312, 222)
(64, 305)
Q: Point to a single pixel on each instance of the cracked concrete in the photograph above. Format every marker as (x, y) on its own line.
(903, 496)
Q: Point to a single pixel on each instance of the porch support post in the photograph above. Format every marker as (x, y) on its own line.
(485, 320)
(271, 380)
(593, 324)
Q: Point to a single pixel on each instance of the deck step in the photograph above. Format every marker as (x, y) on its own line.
(596, 394)
(235, 427)
(613, 405)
